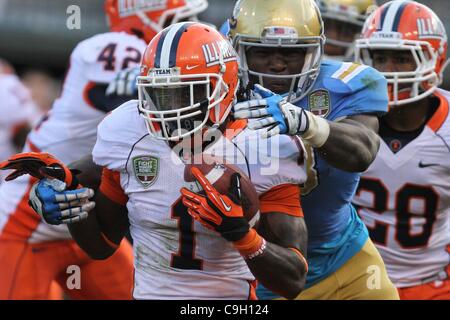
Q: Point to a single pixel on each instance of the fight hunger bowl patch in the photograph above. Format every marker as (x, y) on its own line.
(319, 103)
(146, 169)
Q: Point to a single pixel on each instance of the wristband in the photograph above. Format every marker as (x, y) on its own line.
(251, 245)
(318, 130)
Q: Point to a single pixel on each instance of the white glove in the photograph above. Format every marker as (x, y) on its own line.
(277, 116)
(124, 83)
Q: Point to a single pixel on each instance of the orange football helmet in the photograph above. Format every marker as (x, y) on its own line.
(411, 26)
(188, 81)
(148, 17)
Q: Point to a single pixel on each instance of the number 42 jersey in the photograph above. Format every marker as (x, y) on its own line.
(404, 200)
(69, 130)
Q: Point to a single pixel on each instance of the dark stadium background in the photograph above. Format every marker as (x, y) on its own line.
(35, 39)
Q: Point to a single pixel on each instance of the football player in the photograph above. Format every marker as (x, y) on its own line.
(188, 245)
(33, 253)
(343, 21)
(404, 196)
(18, 112)
(333, 107)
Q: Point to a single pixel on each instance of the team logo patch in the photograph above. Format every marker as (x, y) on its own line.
(319, 102)
(146, 169)
(395, 145)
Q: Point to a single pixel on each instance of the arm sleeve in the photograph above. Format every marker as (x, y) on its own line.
(111, 188)
(283, 199)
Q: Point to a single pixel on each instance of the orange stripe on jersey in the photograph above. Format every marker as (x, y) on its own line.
(33, 148)
(111, 188)
(23, 221)
(234, 128)
(283, 198)
(440, 115)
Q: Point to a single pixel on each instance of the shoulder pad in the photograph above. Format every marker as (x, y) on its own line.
(347, 77)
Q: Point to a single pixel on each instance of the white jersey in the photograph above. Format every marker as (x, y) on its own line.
(175, 256)
(16, 109)
(69, 131)
(404, 199)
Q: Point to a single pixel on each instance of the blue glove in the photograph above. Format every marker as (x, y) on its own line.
(56, 205)
(272, 113)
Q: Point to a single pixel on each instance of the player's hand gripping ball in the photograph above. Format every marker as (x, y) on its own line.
(221, 197)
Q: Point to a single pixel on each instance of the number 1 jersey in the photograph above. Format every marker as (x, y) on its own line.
(175, 256)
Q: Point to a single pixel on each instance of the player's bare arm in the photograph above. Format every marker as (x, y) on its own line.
(100, 234)
(283, 233)
(352, 143)
(275, 253)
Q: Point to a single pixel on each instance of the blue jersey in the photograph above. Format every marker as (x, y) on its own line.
(335, 232)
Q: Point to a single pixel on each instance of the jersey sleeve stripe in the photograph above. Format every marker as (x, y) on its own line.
(437, 120)
(354, 73)
(341, 70)
(348, 71)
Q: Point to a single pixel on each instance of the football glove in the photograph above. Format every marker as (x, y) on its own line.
(56, 205)
(40, 165)
(272, 113)
(124, 84)
(215, 211)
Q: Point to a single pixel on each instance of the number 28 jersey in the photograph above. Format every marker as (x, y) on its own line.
(404, 200)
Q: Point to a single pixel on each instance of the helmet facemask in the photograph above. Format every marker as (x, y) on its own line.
(177, 106)
(300, 83)
(349, 18)
(406, 86)
(346, 47)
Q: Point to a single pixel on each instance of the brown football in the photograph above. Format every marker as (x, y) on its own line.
(219, 174)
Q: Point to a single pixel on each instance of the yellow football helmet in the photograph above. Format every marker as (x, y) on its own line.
(349, 16)
(281, 23)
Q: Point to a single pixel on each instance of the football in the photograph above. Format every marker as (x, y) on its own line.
(219, 173)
